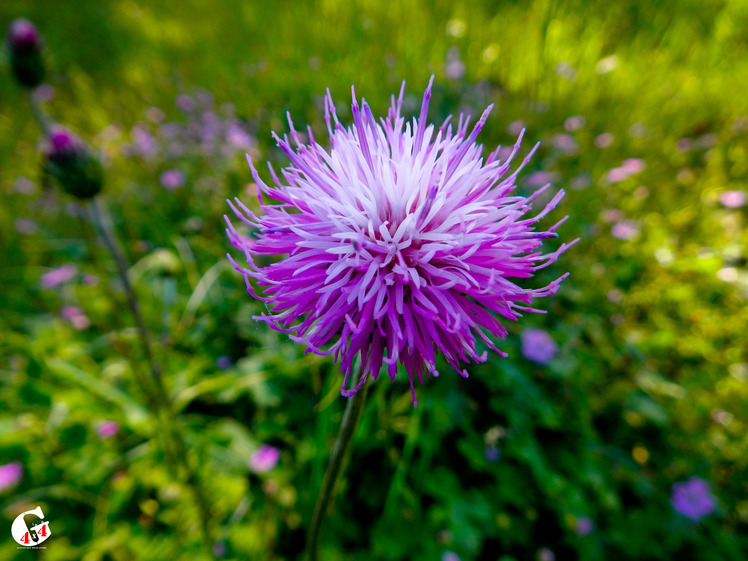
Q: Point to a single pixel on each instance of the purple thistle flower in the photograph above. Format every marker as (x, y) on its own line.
(400, 242)
(693, 498)
(264, 459)
(538, 346)
(10, 474)
(22, 34)
(25, 49)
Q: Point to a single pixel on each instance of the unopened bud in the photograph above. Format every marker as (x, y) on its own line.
(25, 49)
(69, 161)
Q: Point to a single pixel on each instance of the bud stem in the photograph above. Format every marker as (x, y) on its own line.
(39, 115)
(162, 402)
(353, 409)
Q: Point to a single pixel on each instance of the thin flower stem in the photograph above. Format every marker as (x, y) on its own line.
(39, 115)
(353, 409)
(174, 446)
(162, 400)
(132, 301)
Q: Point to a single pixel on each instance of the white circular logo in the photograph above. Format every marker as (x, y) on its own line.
(34, 535)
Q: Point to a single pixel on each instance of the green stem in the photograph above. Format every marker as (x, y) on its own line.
(162, 401)
(39, 115)
(353, 409)
(132, 301)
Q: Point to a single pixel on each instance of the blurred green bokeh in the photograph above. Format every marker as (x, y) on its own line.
(648, 388)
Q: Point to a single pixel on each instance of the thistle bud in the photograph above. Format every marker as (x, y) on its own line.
(69, 161)
(25, 49)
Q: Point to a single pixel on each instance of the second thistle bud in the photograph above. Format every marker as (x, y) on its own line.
(69, 161)
(25, 49)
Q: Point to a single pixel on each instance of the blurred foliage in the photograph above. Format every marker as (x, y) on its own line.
(648, 389)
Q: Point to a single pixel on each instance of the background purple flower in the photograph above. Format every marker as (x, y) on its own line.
(223, 362)
(172, 179)
(693, 498)
(264, 459)
(545, 554)
(584, 526)
(10, 474)
(733, 199)
(107, 429)
(624, 230)
(401, 244)
(538, 346)
(58, 276)
(75, 316)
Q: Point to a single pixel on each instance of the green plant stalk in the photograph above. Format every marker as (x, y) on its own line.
(132, 300)
(41, 119)
(160, 401)
(353, 409)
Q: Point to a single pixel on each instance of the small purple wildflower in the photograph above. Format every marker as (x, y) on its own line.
(693, 498)
(44, 93)
(515, 128)
(75, 316)
(223, 362)
(107, 429)
(219, 548)
(454, 69)
(10, 475)
(492, 454)
(566, 143)
(684, 144)
(545, 554)
(628, 168)
(238, 137)
(604, 140)
(450, 556)
(540, 178)
(26, 226)
(633, 165)
(24, 186)
(186, 103)
(264, 459)
(401, 241)
(172, 179)
(584, 526)
(538, 346)
(624, 230)
(733, 199)
(58, 276)
(145, 143)
(575, 123)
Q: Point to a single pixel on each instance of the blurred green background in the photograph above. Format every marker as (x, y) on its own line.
(643, 118)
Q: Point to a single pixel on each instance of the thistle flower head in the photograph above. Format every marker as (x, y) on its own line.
(25, 50)
(399, 242)
(69, 161)
(22, 34)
